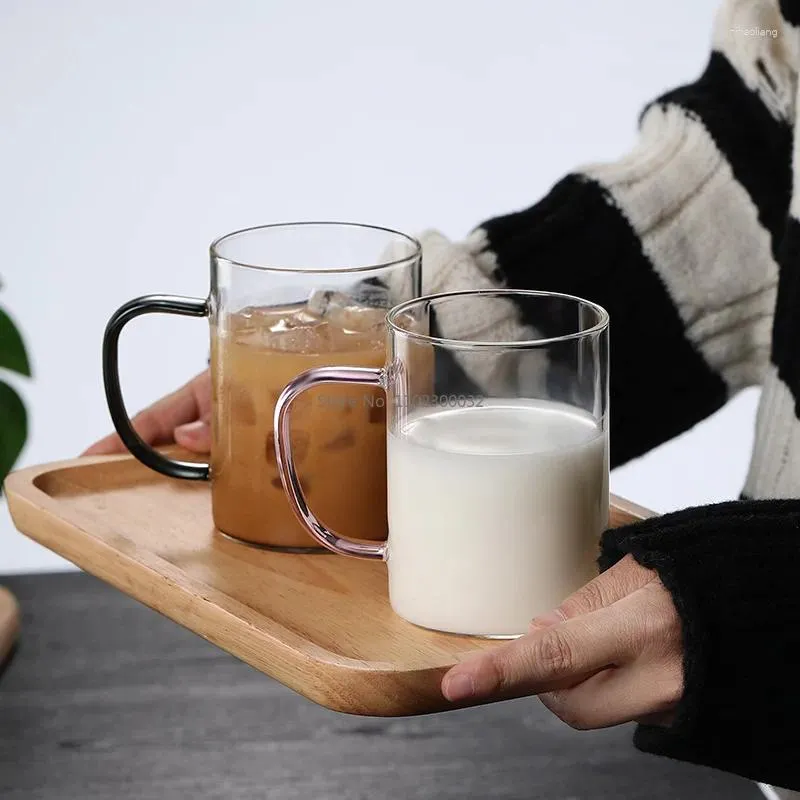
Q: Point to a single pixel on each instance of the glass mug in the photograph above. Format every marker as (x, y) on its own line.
(497, 461)
(285, 298)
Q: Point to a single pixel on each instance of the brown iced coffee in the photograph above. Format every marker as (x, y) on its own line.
(338, 432)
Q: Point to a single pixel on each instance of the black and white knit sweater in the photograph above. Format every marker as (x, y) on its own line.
(692, 243)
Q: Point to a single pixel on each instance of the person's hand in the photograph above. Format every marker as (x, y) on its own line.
(183, 417)
(612, 653)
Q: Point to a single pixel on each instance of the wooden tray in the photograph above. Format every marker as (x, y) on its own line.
(320, 624)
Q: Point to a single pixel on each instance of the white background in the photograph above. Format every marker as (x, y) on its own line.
(132, 133)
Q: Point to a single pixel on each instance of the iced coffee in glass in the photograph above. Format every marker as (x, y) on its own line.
(284, 299)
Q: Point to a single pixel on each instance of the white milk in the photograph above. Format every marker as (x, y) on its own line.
(494, 513)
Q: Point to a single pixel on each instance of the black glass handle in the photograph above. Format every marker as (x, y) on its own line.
(151, 304)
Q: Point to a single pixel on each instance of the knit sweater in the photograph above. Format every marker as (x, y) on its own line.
(692, 243)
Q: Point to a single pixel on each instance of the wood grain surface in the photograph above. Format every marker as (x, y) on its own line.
(321, 624)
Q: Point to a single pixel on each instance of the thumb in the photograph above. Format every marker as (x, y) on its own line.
(195, 436)
(555, 657)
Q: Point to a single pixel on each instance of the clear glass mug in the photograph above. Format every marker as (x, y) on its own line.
(285, 298)
(497, 456)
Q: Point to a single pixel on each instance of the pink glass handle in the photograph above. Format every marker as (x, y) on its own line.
(283, 452)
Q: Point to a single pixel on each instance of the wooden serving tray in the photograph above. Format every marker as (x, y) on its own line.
(320, 624)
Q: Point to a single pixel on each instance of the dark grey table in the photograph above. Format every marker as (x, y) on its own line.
(106, 699)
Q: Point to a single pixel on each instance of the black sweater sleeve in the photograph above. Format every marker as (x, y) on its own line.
(677, 239)
(732, 571)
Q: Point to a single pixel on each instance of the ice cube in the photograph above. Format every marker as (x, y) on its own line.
(346, 313)
(342, 441)
(290, 328)
(305, 317)
(293, 329)
(319, 300)
(242, 406)
(292, 318)
(300, 442)
(245, 325)
(357, 319)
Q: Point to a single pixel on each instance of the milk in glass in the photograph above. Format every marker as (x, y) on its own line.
(495, 513)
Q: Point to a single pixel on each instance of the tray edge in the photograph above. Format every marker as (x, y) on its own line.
(26, 503)
(30, 506)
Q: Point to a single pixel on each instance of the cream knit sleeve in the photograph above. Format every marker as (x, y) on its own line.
(677, 239)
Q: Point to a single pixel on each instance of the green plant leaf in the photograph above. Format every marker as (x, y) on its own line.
(13, 428)
(13, 355)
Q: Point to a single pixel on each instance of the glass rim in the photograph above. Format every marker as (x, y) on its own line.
(216, 255)
(521, 344)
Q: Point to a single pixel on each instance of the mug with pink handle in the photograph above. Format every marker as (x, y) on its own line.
(497, 496)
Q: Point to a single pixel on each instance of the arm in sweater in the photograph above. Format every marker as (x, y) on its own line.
(675, 240)
(732, 573)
